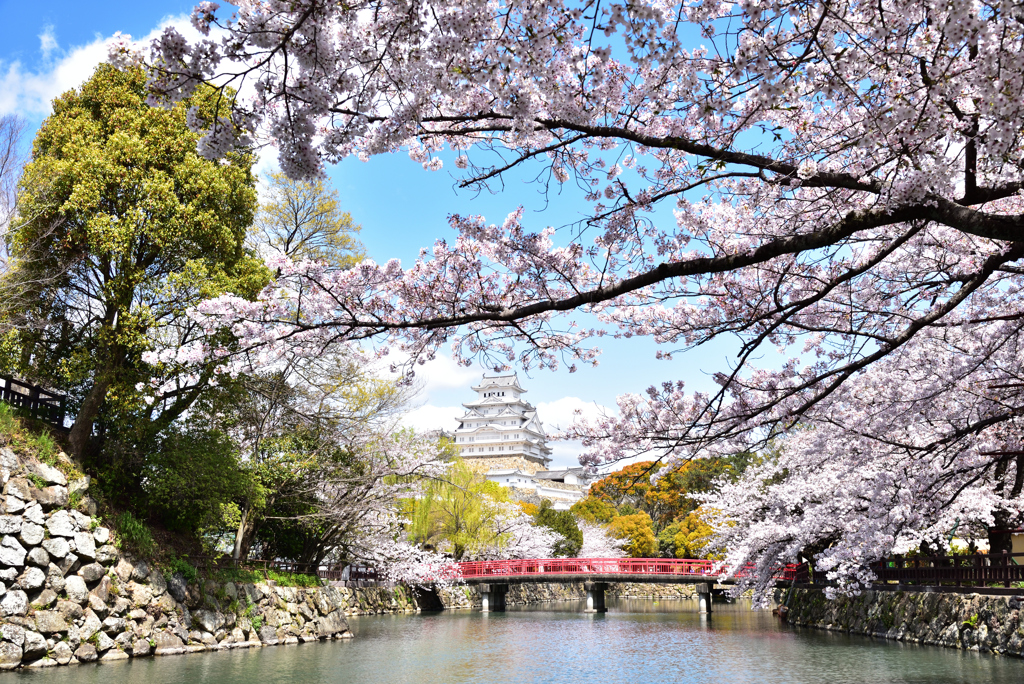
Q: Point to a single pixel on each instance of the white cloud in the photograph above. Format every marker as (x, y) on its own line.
(47, 41)
(560, 414)
(29, 92)
(428, 417)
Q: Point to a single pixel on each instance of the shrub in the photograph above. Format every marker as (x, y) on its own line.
(182, 566)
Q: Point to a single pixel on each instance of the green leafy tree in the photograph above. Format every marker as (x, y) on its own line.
(594, 510)
(304, 220)
(121, 226)
(562, 523)
(462, 514)
(638, 531)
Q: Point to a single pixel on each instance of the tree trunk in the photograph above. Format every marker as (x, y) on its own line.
(240, 535)
(81, 431)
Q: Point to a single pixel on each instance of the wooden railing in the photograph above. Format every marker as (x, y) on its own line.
(33, 400)
(976, 570)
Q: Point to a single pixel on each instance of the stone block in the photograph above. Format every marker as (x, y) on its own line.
(98, 606)
(46, 598)
(333, 623)
(101, 535)
(208, 620)
(13, 504)
(157, 583)
(61, 524)
(57, 547)
(141, 571)
(89, 626)
(268, 635)
(121, 606)
(32, 579)
(68, 563)
(10, 524)
(19, 488)
(142, 595)
(76, 589)
(86, 653)
(35, 645)
(50, 622)
(79, 485)
(103, 642)
(14, 603)
(114, 654)
(10, 655)
(11, 552)
(107, 554)
(102, 590)
(54, 578)
(70, 610)
(51, 497)
(62, 653)
(92, 572)
(31, 534)
(38, 557)
(141, 647)
(34, 513)
(13, 633)
(113, 625)
(177, 587)
(49, 474)
(168, 644)
(85, 545)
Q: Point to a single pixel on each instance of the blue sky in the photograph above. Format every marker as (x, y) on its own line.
(402, 208)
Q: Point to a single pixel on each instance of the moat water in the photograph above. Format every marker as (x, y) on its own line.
(636, 641)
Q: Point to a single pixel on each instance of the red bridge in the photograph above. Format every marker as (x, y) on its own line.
(651, 570)
(494, 577)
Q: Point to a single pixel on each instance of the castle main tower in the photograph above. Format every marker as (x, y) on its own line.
(501, 427)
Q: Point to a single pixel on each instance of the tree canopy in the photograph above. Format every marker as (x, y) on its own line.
(845, 179)
(122, 226)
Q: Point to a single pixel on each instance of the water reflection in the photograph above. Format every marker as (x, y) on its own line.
(636, 641)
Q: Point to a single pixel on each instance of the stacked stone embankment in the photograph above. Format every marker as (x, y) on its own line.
(468, 597)
(966, 621)
(68, 594)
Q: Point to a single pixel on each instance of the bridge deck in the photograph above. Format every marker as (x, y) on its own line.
(648, 570)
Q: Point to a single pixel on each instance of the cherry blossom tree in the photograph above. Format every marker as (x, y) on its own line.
(846, 185)
(597, 543)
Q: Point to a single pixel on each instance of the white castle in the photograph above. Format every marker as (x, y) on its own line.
(500, 423)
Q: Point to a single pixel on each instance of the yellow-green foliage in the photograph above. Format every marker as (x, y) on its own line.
(693, 535)
(460, 514)
(638, 531)
(594, 510)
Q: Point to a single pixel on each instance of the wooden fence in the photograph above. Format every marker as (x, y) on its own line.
(33, 400)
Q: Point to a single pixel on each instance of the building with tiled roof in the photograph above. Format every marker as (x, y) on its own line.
(500, 424)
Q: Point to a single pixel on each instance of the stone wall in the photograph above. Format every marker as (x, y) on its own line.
(965, 621)
(468, 597)
(68, 595)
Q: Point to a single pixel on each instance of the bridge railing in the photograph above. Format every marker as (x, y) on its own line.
(682, 567)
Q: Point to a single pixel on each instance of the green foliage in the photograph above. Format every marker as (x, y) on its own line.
(638, 531)
(122, 227)
(133, 534)
(8, 422)
(692, 536)
(563, 523)
(182, 566)
(461, 514)
(257, 622)
(971, 622)
(190, 477)
(37, 481)
(304, 220)
(594, 510)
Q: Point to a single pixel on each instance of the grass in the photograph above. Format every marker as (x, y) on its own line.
(32, 438)
(132, 533)
(284, 579)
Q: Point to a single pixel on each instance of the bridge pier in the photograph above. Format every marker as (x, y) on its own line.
(595, 597)
(704, 597)
(492, 597)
